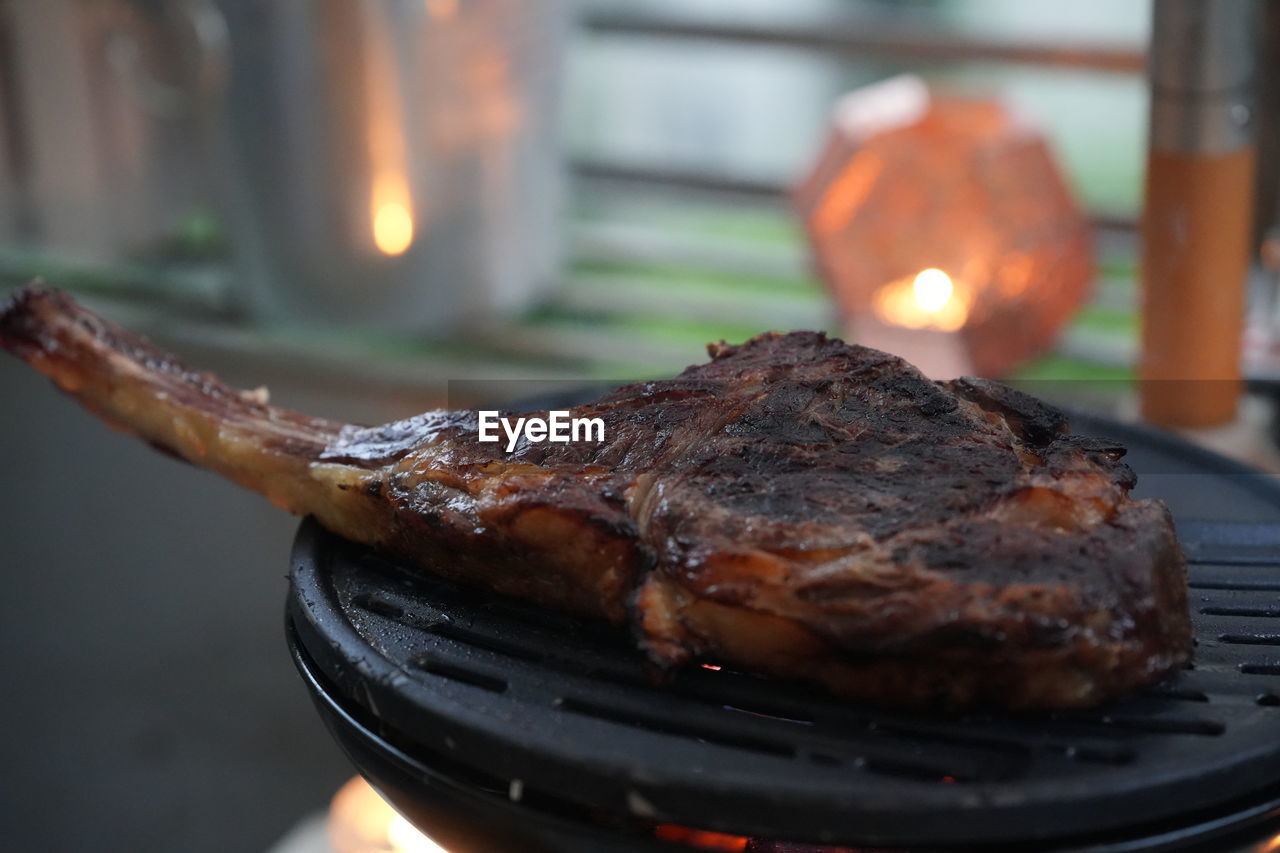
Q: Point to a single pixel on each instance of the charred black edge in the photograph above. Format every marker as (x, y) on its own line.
(722, 349)
(1037, 422)
(1104, 452)
(18, 325)
(35, 317)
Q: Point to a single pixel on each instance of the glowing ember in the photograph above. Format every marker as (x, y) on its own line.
(360, 821)
(404, 838)
(700, 838)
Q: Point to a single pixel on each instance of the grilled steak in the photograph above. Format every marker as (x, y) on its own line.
(797, 505)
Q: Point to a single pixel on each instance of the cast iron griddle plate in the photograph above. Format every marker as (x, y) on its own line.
(564, 706)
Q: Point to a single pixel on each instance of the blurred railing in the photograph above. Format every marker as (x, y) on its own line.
(666, 253)
(907, 45)
(621, 256)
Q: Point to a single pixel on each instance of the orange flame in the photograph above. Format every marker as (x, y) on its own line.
(930, 299)
(392, 226)
(701, 838)
(361, 821)
(391, 202)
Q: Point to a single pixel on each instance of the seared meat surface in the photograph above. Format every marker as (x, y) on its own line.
(797, 505)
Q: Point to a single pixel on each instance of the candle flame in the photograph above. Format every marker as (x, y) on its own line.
(929, 300)
(390, 192)
(933, 290)
(392, 227)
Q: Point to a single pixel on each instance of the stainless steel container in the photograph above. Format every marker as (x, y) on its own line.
(395, 162)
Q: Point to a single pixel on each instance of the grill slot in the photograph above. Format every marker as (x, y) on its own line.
(379, 605)
(1010, 747)
(1241, 557)
(628, 677)
(1260, 612)
(461, 674)
(740, 693)
(906, 770)
(1259, 585)
(1181, 694)
(1159, 725)
(766, 715)
(1019, 743)
(1101, 755)
(675, 727)
(482, 641)
(851, 742)
(1260, 668)
(1250, 639)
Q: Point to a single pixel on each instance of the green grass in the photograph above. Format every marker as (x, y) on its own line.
(1110, 321)
(1117, 267)
(1053, 367)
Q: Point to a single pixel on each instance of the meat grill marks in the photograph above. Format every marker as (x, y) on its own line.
(798, 505)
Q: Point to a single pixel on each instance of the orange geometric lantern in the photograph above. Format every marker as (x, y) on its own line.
(944, 229)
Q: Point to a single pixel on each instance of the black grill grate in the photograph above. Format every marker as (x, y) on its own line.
(549, 706)
(558, 702)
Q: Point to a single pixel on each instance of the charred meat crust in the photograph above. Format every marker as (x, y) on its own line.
(796, 505)
(1035, 422)
(1023, 646)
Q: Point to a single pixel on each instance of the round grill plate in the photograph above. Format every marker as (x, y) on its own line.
(563, 711)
